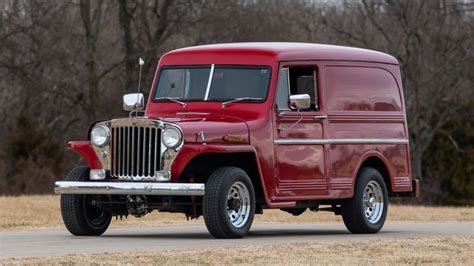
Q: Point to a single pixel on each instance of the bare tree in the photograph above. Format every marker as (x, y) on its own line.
(64, 64)
(430, 43)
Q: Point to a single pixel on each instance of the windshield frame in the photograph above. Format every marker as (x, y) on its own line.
(158, 76)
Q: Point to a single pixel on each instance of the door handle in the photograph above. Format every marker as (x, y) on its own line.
(320, 117)
(282, 114)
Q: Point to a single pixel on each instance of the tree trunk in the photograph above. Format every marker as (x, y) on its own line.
(91, 20)
(125, 18)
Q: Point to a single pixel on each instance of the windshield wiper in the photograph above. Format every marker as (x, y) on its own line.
(173, 100)
(224, 104)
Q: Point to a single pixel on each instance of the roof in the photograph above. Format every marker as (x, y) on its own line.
(288, 51)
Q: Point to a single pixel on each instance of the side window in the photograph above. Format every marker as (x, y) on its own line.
(361, 89)
(297, 80)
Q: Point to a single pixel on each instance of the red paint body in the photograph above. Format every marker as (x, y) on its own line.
(290, 173)
(84, 148)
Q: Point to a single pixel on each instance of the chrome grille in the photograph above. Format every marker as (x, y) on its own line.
(135, 152)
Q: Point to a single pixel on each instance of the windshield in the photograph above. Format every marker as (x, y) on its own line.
(227, 83)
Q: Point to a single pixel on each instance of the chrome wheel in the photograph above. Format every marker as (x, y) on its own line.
(238, 204)
(228, 205)
(373, 202)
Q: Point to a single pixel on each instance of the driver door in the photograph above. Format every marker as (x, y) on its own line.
(298, 147)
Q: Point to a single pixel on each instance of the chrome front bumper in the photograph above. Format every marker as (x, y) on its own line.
(129, 188)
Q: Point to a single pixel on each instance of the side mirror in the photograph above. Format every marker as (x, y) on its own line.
(300, 101)
(133, 101)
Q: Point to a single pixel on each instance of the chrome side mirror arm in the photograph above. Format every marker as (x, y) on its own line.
(280, 127)
(135, 102)
(298, 102)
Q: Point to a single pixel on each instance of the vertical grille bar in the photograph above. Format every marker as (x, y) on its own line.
(143, 151)
(153, 159)
(135, 151)
(149, 152)
(158, 148)
(127, 151)
(132, 152)
(122, 144)
(113, 145)
(139, 143)
(116, 152)
(119, 151)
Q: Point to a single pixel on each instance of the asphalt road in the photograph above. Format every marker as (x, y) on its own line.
(60, 242)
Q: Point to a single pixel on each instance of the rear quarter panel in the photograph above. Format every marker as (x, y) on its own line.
(355, 110)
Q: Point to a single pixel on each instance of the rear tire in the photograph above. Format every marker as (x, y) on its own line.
(80, 217)
(366, 212)
(229, 203)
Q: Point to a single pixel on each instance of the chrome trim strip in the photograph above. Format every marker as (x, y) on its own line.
(192, 113)
(321, 117)
(208, 88)
(129, 188)
(341, 141)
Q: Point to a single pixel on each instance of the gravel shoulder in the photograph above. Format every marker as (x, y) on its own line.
(182, 238)
(424, 250)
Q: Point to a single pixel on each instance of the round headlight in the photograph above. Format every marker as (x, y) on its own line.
(100, 135)
(171, 137)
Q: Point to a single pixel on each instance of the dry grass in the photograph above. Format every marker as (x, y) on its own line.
(42, 212)
(433, 250)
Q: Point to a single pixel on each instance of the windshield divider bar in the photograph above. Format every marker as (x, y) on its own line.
(209, 83)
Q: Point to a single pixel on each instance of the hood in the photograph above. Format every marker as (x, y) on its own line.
(209, 128)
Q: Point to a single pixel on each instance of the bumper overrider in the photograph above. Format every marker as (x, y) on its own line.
(136, 155)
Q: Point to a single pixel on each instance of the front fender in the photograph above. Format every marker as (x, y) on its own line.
(85, 149)
(189, 151)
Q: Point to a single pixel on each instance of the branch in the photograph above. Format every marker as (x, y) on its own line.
(371, 16)
(451, 139)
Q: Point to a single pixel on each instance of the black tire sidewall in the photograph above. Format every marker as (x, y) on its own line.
(368, 175)
(225, 190)
(353, 212)
(74, 208)
(215, 202)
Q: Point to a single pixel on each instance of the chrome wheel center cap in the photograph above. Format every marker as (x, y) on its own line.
(371, 202)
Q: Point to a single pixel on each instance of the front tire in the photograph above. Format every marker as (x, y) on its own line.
(229, 203)
(366, 212)
(80, 217)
